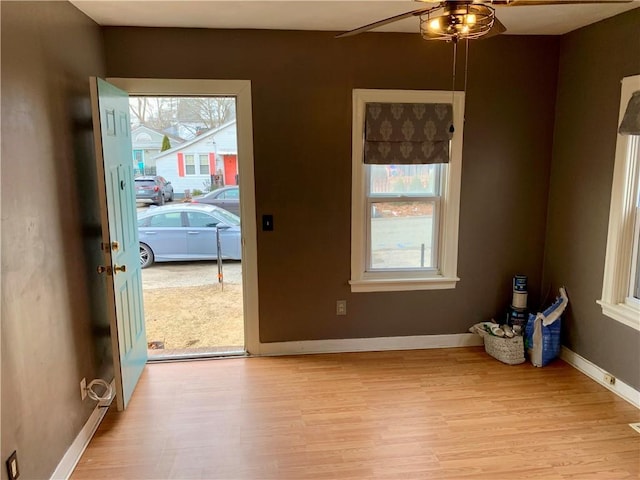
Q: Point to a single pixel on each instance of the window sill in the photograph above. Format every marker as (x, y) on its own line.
(621, 312)
(403, 284)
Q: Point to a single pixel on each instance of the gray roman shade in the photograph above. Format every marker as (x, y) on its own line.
(407, 133)
(630, 124)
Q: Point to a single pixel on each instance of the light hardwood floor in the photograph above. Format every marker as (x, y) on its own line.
(426, 414)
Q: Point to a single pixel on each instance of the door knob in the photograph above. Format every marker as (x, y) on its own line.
(120, 268)
(101, 269)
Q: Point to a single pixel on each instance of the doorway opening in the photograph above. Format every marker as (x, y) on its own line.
(187, 183)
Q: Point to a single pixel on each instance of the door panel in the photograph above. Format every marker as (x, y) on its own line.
(201, 242)
(119, 235)
(201, 235)
(166, 242)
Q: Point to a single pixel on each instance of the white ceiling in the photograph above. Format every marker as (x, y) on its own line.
(331, 15)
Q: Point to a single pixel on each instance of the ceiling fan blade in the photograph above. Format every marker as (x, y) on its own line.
(496, 29)
(386, 21)
(533, 3)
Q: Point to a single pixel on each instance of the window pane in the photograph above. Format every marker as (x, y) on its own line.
(227, 217)
(204, 165)
(189, 165)
(404, 179)
(172, 219)
(199, 219)
(636, 290)
(635, 280)
(402, 235)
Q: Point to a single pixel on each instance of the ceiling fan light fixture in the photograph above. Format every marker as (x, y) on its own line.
(434, 25)
(457, 23)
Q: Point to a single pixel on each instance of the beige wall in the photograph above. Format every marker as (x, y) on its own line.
(54, 330)
(301, 87)
(593, 60)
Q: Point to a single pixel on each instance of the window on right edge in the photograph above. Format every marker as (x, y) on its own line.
(406, 173)
(621, 286)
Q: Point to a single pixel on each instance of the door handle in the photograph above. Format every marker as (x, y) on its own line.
(193, 233)
(119, 268)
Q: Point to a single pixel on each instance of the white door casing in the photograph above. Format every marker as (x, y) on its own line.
(241, 90)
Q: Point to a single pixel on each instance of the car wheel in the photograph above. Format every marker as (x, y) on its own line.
(171, 196)
(146, 256)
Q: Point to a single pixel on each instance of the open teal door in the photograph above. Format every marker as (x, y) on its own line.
(121, 268)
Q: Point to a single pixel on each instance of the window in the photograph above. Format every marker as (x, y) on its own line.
(138, 157)
(189, 165)
(199, 219)
(232, 193)
(404, 232)
(204, 164)
(621, 286)
(201, 168)
(172, 219)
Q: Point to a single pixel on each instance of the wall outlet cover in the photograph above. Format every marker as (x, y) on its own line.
(12, 466)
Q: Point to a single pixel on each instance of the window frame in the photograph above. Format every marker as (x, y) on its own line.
(621, 244)
(200, 164)
(446, 237)
(197, 171)
(194, 165)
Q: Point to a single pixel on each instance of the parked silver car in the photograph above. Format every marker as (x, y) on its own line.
(185, 232)
(225, 197)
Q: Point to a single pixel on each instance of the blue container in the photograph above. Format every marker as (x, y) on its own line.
(550, 340)
(520, 283)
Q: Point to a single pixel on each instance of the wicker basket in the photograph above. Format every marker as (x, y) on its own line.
(507, 350)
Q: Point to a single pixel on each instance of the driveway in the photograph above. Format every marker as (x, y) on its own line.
(190, 274)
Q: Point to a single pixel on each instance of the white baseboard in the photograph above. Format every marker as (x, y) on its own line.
(596, 373)
(370, 344)
(68, 463)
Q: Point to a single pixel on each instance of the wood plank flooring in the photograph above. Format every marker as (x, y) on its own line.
(426, 414)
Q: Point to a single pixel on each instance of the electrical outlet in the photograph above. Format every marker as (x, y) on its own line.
(12, 466)
(83, 388)
(609, 379)
(341, 307)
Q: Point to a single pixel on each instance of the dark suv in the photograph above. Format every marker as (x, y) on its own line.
(153, 189)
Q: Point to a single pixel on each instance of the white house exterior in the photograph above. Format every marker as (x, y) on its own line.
(146, 144)
(211, 157)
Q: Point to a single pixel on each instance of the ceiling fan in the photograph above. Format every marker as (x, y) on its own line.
(453, 20)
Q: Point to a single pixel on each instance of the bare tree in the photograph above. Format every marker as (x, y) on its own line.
(191, 113)
(210, 111)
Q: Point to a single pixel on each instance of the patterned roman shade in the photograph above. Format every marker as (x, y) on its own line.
(630, 124)
(407, 133)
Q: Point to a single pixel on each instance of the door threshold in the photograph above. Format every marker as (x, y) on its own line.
(181, 355)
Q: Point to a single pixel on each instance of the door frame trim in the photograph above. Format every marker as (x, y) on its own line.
(241, 90)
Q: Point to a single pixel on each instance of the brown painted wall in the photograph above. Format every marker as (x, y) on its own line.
(301, 86)
(54, 330)
(593, 61)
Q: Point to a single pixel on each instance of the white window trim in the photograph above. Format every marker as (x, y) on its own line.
(196, 163)
(619, 254)
(446, 278)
